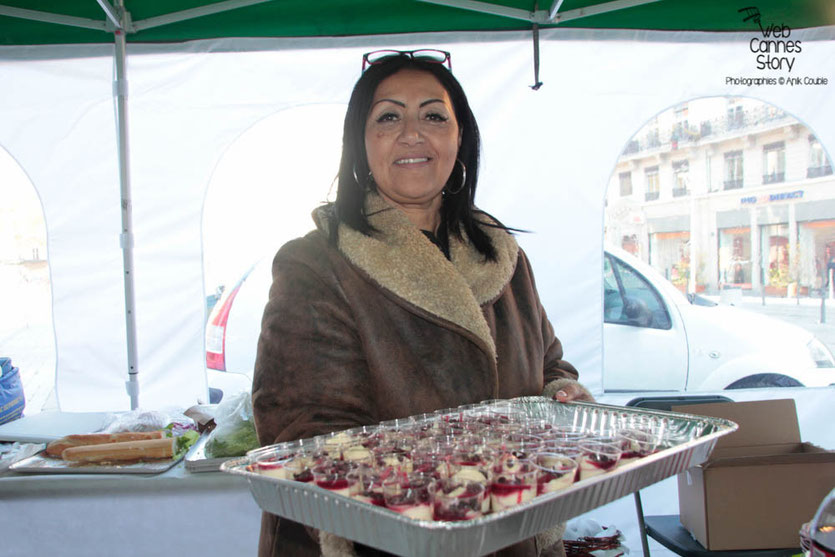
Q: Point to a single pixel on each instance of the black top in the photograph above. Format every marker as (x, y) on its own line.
(442, 241)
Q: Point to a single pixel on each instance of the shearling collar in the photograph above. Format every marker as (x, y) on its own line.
(403, 261)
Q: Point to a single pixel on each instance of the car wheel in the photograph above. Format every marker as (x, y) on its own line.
(763, 381)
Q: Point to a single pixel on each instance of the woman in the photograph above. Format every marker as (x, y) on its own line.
(406, 298)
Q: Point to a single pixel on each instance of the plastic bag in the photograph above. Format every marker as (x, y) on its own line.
(146, 420)
(12, 399)
(11, 453)
(585, 536)
(234, 433)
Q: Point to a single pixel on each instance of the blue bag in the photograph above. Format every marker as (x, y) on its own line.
(12, 400)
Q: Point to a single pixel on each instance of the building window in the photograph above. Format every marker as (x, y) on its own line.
(653, 137)
(818, 162)
(774, 163)
(630, 243)
(632, 147)
(733, 170)
(670, 254)
(735, 256)
(681, 178)
(625, 183)
(653, 187)
(775, 250)
(710, 182)
(736, 117)
(681, 127)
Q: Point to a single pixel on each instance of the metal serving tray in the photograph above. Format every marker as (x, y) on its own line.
(42, 464)
(387, 530)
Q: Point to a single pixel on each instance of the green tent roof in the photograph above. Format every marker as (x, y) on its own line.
(27, 22)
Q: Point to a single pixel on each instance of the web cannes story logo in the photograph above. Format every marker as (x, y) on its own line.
(773, 48)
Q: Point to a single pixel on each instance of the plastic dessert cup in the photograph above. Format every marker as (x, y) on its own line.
(368, 486)
(513, 482)
(636, 444)
(335, 476)
(409, 495)
(556, 472)
(455, 500)
(390, 458)
(480, 475)
(286, 465)
(597, 458)
(358, 454)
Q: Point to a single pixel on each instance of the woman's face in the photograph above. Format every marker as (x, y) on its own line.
(412, 138)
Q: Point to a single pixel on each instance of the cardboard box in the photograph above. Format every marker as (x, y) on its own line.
(761, 482)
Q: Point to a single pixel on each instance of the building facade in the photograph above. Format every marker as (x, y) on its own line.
(726, 192)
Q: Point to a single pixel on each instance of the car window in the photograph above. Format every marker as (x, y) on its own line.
(612, 298)
(628, 299)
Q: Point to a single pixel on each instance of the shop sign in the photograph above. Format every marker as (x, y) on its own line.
(771, 197)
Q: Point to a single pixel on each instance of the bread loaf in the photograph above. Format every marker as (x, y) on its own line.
(147, 449)
(57, 447)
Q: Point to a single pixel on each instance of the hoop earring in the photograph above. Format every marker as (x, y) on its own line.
(463, 179)
(368, 179)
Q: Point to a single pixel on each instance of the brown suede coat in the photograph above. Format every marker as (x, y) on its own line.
(386, 327)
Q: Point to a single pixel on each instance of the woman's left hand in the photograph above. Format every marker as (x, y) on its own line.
(572, 392)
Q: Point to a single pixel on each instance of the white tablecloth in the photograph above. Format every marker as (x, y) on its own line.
(176, 513)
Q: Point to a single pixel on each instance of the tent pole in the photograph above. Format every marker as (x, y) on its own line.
(120, 91)
(536, 83)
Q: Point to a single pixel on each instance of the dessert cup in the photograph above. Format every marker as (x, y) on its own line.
(409, 495)
(335, 476)
(512, 482)
(456, 499)
(636, 444)
(597, 458)
(556, 472)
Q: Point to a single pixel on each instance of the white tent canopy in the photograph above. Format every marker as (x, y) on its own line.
(547, 159)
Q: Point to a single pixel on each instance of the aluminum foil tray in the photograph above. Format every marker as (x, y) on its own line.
(41, 464)
(387, 530)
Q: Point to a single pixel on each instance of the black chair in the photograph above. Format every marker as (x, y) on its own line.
(667, 529)
(662, 528)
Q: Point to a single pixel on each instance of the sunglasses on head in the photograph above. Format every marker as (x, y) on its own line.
(424, 55)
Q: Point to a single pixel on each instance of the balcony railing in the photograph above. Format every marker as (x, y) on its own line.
(774, 177)
(735, 121)
(733, 184)
(651, 195)
(632, 147)
(678, 135)
(679, 192)
(818, 171)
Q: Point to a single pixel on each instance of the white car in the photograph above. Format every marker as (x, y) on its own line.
(654, 337)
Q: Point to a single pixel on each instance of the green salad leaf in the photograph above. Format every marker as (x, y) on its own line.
(184, 442)
(235, 441)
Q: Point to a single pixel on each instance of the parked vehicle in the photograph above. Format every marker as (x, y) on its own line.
(233, 327)
(654, 337)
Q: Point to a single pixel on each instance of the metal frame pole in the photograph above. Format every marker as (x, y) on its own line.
(120, 91)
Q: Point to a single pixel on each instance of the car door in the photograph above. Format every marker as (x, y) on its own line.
(644, 341)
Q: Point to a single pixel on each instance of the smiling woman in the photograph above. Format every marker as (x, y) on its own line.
(406, 298)
(412, 140)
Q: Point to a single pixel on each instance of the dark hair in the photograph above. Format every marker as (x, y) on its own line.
(457, 210)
